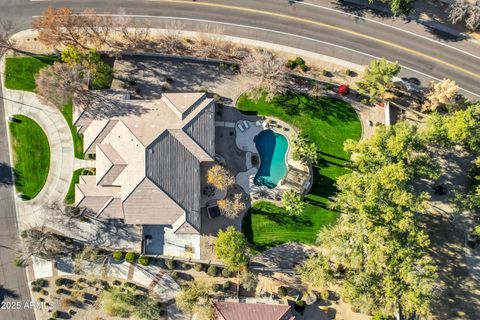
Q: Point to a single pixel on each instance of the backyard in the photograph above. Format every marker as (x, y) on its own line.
(31, 156)
(327, 122)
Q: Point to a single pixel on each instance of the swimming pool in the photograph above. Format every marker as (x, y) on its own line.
(272, 148)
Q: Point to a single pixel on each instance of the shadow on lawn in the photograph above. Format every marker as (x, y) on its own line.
(328, 109)
(6, 178)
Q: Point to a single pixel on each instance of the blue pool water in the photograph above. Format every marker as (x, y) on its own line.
(272, 148)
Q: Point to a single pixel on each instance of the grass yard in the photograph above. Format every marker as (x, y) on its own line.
(67, 112)
(70, 197)
(326, 121)
(31, 156)
(20, 72)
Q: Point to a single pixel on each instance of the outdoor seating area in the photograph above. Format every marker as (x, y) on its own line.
(297, 179)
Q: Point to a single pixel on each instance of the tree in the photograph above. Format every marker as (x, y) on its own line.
(39, 242)
(441, 94)
(6, 41)
(98, 73)
(398, 7)
(293, 203)
(91, 260)
(192, 296)
(379, 244)
(316, 271)
(220, 177)
(267, 72)
(232, 248)
(463, 127)
(377, 80)
(401, 143)
(304, 149)
(248, 280)
(61, 27)
(232, 206)
(466, 11)
(57, 84)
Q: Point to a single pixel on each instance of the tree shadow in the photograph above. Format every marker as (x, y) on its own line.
(7, 293)
(6, 178)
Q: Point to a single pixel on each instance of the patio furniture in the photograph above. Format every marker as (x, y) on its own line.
(245, 123)
(240, 127)
(213, 211)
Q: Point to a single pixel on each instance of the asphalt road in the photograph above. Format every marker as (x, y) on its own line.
(424, 54)
(13, 280)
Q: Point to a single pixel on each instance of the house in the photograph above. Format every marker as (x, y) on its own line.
(258, 310)
(151, 156)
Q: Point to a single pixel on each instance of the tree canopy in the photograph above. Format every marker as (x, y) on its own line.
(232, 248)
(293, 203)
(378, 78)
(378, 249)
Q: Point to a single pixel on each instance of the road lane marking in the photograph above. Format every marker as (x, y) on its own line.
(390, 26)
(325, 25)
(278, 32)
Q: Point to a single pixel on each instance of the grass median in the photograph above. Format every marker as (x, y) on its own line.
(31, 156)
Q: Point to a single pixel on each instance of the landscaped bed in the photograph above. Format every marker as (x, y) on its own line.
(31, 156)
(327, 122)
(67, 112)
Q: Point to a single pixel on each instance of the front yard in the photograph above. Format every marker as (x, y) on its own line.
(327, 122)
(31, 156)
(20, 72)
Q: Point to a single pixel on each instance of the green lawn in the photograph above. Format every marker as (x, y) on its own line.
(70, 197)
(326, 121)
(31, 156)
(20, 72)
(77, 137)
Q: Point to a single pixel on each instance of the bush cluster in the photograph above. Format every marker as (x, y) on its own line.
(174, 275)
(198, 267)
(130, 257)
(170, 264)
(144, 261)
(298, 62)
(226, 285)
(282, 291)
(226, 273)
(212, 271)
(118, 255)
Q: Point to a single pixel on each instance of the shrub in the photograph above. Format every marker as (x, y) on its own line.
(59, 291)
(36, 288)
(299, 61)
(116, 282)
(198, 267)
(40, 299)
(72, 312)
(174, 275)
(44, 292)
(325, 294)
(304, 67)
(299, 306)
(118, 255)
(144, 261)
(217, 97)
(325, 73)
(23, 234)
(169, 80)
(349, 72)
(329, 86)
(130, 257)
(212, 271)
(226, 273)
(216, 287)
(291, 64)
(282, 291)
(130, 285)
(60, 282)
(170, 264)
(82, 280)
(226, 285)
(40, 282)
(55, 314)
(185, 265)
